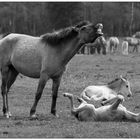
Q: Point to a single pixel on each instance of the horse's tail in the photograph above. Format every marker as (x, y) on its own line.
(84, 95)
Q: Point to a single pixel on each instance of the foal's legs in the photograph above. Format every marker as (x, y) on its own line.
(55, 87)
(130, 116)
(108, 101)
(83, 106)
(42, 82)
(119, 99)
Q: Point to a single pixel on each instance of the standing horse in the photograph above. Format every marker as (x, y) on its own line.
(106, 93)
(113, 44)
(43, 57)
(99, 44)
(114, 112)
(132, 41)
(136, 35)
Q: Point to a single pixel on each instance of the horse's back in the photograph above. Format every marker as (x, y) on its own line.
(132, 40)
(114, 40)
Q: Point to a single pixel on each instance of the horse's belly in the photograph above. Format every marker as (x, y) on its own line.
(27, 62)
(30, 71)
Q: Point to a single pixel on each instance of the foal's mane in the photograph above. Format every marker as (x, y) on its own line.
(113, 81)
(63, 35)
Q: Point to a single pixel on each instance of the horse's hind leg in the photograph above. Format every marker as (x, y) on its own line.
(42, 82)
(12, 74)
(9, 75)
(4, 74)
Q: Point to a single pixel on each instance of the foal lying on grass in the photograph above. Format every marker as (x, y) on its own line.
(114, 112)
(105, 93)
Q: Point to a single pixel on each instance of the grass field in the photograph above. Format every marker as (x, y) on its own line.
(83, 70)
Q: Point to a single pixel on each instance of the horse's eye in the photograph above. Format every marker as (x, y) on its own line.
(127, 86)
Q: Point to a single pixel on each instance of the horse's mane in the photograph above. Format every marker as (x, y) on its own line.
(62, 35)
(57, 37)
(113, 81)
(82, 23)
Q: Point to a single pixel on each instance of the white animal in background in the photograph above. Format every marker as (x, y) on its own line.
(125, 48)
(113, 44)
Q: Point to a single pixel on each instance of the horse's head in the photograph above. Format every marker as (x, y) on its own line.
(126, 86)
(90, 32)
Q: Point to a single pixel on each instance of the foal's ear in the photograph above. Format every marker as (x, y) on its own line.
(123, 78)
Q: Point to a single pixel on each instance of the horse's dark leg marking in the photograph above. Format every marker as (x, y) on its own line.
(42, 82)
(4, 73)
(55, 87)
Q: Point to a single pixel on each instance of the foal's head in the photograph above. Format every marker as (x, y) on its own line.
(121, 84)
(126, 86)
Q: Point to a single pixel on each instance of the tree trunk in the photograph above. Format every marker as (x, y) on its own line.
(132, 17)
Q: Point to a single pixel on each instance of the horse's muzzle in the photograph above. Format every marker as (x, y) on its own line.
(99, 32)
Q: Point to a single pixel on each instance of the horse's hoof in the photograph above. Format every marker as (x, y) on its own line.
(10, 115)
(7, 115)
(55, 115)
(33, 116)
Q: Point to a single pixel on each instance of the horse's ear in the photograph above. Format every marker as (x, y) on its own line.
(123, 78)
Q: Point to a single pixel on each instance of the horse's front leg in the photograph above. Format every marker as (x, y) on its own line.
(42, 82)
(55, 87)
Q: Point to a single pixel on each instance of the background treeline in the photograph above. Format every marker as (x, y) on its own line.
(36, 18)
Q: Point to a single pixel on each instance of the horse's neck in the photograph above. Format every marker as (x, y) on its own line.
(114, 87)
(70, 49)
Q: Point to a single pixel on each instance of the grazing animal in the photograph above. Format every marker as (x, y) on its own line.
(113, 44)
(99, 44)
(125, 48)
(114, 112)
(106, 93)
(132, 41)
(136, 35)
(43, 57)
